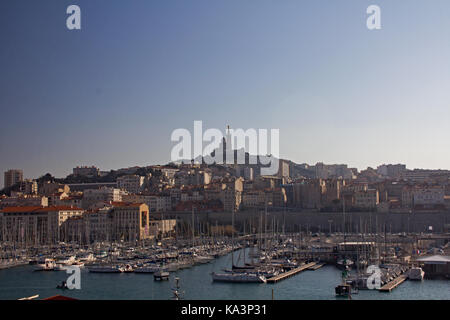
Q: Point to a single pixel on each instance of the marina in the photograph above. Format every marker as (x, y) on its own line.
(196, 283)
(224, 268)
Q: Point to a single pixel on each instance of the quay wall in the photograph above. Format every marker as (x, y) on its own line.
(325, 221)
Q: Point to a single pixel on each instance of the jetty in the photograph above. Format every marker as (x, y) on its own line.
(290, 273)
(394, 283)
(316, 266)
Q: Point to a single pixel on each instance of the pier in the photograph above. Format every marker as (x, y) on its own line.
(290, 273)
(394, 283)
(316, 266)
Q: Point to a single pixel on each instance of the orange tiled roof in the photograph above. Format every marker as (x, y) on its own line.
(21, 209)
(38, 209)
(59, 208)
(126, 204)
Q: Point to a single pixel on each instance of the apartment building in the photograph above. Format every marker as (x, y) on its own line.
(104, 194)
(12, 177)
(35, 225)
(367, 199)
(131, 183)
(130, 221)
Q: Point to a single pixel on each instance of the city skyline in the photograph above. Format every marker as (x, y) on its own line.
(111, 94)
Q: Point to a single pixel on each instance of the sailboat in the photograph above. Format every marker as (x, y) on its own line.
(177, 295)
(240, 277)
(344, 263)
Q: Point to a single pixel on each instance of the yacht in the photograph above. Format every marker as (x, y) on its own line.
(416, 273)
(104, 269)
(161, 275)
(203, 259)
(238, 277)
(87, 258)
(127, 268)
(343, 290)
(48, 265)
(344, 264)
(67, 261)
(147, 269)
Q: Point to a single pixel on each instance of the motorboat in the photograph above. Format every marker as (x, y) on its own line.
(238, 277)
(67, 261)
(161, 275)
(127, 269)
(104, 269)
(416, 273)
(48, 265)
(147, 269)
(344, 264)
(343, 290)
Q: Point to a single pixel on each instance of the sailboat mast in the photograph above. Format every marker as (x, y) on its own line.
(192, 227)
(232, 238)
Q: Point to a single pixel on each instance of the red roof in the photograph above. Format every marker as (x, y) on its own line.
(20, 209)
(59, 208)
(38, 209)
(126, 204)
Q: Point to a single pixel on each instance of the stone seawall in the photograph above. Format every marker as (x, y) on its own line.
(325, 222)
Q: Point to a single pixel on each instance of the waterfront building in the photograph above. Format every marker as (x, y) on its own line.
(437, 266)
(34, 225)
(130, 221)
(161, 228)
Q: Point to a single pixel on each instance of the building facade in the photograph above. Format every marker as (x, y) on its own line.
(12, 177)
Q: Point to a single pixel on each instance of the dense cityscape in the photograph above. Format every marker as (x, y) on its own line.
(331, 180)
(92, 202)
(160, 219)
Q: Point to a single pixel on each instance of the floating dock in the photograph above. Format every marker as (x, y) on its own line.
(316, 266)
(394, 283)
(290, 273)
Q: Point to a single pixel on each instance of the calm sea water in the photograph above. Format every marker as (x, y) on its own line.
(197, 284)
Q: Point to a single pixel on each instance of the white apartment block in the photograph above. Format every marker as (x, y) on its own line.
(105, 194)
(155, 203)
(130, 183)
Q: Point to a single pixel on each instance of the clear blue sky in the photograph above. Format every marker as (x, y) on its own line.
(111, 94)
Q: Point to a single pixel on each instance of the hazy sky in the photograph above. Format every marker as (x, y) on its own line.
(111, 94)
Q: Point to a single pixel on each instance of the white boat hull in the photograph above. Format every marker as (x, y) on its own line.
(238, 278)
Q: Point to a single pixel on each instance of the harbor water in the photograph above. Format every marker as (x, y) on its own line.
(196, 283)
